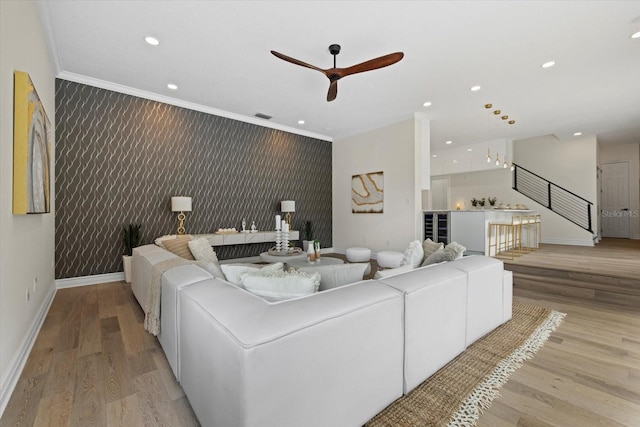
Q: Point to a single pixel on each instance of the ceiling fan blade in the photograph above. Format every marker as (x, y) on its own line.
(296, 61)
(333, 91)
(372, 64)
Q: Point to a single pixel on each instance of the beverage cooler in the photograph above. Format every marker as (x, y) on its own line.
(437, 226)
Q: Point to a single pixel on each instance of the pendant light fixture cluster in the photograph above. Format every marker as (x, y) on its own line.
(498, 113)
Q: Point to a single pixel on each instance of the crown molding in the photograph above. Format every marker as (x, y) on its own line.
(103, 84)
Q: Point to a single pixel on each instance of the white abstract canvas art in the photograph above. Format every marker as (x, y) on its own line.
(367, 193)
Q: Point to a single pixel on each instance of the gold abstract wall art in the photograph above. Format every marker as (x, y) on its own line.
(367, 193)
(31, 149)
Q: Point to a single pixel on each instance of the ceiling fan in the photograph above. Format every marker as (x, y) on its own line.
(334, 74)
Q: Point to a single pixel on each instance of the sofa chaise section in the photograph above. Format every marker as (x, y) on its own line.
(334, 358)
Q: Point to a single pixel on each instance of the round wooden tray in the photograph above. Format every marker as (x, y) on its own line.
(290, 252)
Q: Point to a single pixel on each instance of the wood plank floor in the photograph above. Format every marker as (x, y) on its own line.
(93, 364)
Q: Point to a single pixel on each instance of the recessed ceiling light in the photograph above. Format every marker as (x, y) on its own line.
(427, 104)
(152, 41)
(434, 155)
(300, 122)
(475, 88)
(469, 149)
(577, 134)
(455, 161)
(548, 64)
(448, 142)
(635, 35)
(172, 86)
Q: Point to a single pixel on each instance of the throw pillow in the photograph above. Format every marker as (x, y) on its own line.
(429, 247)
(333, 276)
(456, 249)
(281, 285)
(160, 240)
(214, 269)
(388, 272)
(439, 256)
(202, 250)
(179, 246)
(413, 255)
(233, 272)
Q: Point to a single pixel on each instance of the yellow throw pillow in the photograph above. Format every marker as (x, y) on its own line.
(179, 246)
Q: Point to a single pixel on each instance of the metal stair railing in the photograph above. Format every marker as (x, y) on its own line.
(559, 200)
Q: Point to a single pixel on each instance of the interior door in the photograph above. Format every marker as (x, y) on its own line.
(615, 219)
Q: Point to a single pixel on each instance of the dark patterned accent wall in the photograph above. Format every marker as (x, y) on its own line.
(120, 158)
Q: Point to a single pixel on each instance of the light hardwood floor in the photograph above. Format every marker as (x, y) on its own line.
(93, 364)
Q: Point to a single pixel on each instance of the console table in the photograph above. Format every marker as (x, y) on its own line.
(225, 239)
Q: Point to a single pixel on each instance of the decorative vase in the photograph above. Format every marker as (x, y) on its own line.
(126, 263)
(311, 254)
(316, 248)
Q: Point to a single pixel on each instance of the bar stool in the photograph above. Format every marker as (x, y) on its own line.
(504, 235)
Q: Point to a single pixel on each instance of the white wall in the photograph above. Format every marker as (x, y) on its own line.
(26, 241)
(568, 163)
(630, 153)
(391, 149)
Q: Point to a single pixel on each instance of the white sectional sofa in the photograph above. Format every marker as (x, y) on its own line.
(336, 357)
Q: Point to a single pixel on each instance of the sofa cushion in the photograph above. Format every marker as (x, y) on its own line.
(233, 272)
(179, 246)
(202, 251)
(281, 285)
(335, 275)
(413, 255)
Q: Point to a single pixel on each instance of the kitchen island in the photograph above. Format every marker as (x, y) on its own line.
(470, 228)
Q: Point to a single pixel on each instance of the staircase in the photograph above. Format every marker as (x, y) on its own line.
(555, 198)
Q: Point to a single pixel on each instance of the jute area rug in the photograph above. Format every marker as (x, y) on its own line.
(457, 393)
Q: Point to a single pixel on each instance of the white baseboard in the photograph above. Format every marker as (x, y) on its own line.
(73, 282)
(12, 375)
(572, 242)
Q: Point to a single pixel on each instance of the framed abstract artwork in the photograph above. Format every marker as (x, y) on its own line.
(31, 149)
(367, 193)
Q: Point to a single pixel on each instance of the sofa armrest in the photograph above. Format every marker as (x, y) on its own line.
(435, 319)
(247, 362)
(172, 281)
(143, 260)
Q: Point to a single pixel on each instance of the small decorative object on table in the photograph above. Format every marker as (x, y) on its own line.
(316, 248)
(253, 227)
(492, 200)
(311, 253)
(231, 230)
(481, 202)
(474, 202)
(244, 225)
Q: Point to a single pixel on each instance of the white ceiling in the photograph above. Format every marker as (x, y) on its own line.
(218, 53)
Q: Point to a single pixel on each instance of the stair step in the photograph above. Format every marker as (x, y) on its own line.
(580, 279)
(620, 295)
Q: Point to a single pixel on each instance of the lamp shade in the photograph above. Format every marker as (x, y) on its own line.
(288, 206)
(180, 204)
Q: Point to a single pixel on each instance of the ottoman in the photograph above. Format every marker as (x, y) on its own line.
(389, 259)
(359, 255)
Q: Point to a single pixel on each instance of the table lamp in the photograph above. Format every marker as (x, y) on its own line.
(288, 206)
(181, 204)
